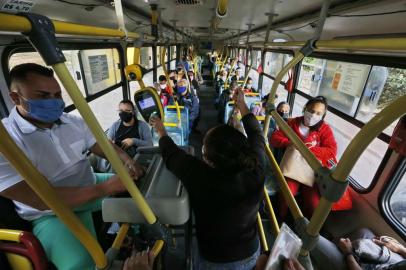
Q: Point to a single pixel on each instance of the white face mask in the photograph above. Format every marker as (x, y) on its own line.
(224, 78)
(311, 119)
(249, 86)
(163, 86)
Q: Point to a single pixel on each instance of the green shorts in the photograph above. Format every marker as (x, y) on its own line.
(61, 246)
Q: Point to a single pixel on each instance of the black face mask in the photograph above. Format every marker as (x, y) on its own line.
(284, 115)
(125, 116)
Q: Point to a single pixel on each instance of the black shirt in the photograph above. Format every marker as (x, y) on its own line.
(125, 132)
(225, 203)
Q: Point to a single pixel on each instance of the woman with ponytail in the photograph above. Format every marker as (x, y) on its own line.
(225, 189)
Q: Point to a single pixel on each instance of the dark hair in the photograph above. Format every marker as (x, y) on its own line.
(233, 85)
(249, 79)
(19, 73)
(280, 104)
(228, 149)
(129, 102)
(162, 78)
(315, 100)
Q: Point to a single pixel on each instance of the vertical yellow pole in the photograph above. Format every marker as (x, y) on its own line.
(262, 233)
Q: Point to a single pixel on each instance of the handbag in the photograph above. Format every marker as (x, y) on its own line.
(295, 166)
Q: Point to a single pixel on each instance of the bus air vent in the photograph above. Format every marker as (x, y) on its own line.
(189, 2)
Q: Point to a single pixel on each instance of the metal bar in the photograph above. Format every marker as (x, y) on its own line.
(122, 233)
(262, 233)
(10, 235)
(271, 100)
(322, 19)
(40, 185)
(297, 142)
(290, 200)
(93, 124)
(120, 16)
(375, 44)
(272, 216)
(365, 136)
(15, 23)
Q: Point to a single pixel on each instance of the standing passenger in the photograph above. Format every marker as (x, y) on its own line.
(190, 101)
(225, 189)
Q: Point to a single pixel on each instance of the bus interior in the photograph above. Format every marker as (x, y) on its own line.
(353, 52)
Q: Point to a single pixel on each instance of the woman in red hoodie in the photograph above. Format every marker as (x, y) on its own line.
(317, 135)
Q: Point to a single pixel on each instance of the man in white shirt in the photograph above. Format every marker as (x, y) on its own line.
(56, 143)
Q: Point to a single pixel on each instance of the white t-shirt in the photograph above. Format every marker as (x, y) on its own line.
(59, 153)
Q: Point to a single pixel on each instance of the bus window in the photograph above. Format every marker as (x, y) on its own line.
(384, 86)
(101, 69)
(341, 82)
(394, 199)
(344, 132)
(72, 62)
(281, 92)
(274, 62)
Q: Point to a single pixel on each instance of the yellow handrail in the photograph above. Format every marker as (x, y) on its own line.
(10, 235)
(261, 231)
(271, 99)
(272, 216)
(122, 232)
(137, 60)
(16, 23)
(287, 194)
(46, 192)
(367, 44)
(90, 119)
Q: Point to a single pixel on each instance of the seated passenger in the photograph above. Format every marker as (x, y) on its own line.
(172, 76)
(190, 101)
(225, 189)
(128, 133)
(317, 135)
(165, 92)
(248, 87)
(224, 98)
(56, 143)
(193, 81)
(237, 75)
(361, 250)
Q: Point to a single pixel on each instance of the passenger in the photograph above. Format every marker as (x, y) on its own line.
(165, 93)
(319, 138)
(248, 87)
(193, 81)
(362, 250)
(128, 133)
(237, 75)
(140, 261)
(232, 176)
(172, 76)
(190, 101)
(57, 144)
(224, 98)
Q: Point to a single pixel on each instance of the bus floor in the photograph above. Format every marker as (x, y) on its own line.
(208, 118)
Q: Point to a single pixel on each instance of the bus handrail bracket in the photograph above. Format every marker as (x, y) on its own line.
(309, 47)
(309, 241)
(42, 37)
(330, 188)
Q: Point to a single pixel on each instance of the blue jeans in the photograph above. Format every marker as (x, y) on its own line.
(199, 263)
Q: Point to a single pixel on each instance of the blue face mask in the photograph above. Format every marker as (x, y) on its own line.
(182, 89)
(45, 110)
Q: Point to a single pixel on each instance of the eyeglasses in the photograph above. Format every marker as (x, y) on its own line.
(128, 111)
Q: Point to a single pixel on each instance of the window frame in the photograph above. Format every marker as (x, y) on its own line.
(387, 192)
(26, 47)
